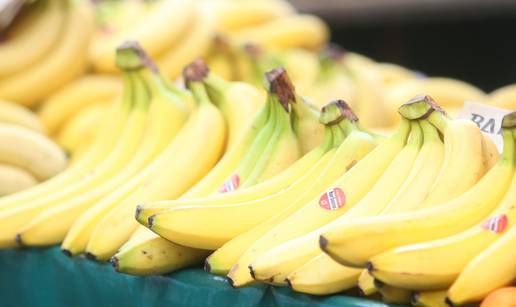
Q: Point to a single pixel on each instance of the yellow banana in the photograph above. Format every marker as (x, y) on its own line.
(81, 128)
(296, 31)
(308, 129)
(303, 67)
(113, 123)
(14, 114)
(275, 264)
(342, 193)
(392, 295)
(148, 30)
(31, 151)
(429, 298)
(165, 117)
(238, 101)
(65, 62)
(14, 179)
(233, 16)
(251, 212)
(122, 153)
(41, 26)
(192, 44)
(134, 260)
(366, 237)
(493, 268)
(73, 97)
(392, 73)
(168, 178)
(504, 97)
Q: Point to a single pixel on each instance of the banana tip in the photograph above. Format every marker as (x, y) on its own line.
(90, 256)
(251, 271)
(289, 283)
(207, 266)
(138, 211)
(150, 220)
(18, 239)
(66, 252)
(323, 243)
(414, 297)
(378, 283)
(448, 302)
(195, 71)
(370, 266)
(115, 263)
(230, 281)
(281, 85)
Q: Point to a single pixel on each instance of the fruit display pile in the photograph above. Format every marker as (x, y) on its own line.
(231, 135)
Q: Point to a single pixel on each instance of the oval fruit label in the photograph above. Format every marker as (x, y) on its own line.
(333, 199)
(496, 224)
(231, 184)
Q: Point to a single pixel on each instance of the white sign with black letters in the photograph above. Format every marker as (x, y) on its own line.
(488, 119)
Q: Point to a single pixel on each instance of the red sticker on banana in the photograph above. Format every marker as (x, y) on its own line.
(333, 199)
(231, 184)
(496, 224)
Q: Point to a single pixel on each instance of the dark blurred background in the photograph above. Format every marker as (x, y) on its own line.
(471, 40)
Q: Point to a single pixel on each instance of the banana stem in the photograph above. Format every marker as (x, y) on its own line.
(141, 95)
(127, 93)
(131, 56)
(439, 120)
(199, 92)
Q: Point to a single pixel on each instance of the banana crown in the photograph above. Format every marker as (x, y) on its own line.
(419, 107)
(139, 69)
(330, 60)
(194, 74)
(509, 120)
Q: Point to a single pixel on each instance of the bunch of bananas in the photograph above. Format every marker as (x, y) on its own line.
(45, 48)
(27, 156)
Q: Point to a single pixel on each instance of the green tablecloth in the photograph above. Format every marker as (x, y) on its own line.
(47, 278)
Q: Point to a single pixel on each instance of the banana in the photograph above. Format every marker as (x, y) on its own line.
(165, 118)
(233, 16)
(369, 100)
(309, 130)
(220, 60)
(366, 237)
(280, 152)
(333, 80)
(446, 91)
(295, 31)
(436, 272)
(304, 68)
(168, 177)
(459, 172)
(148, 30)
(14, 179)
(365, 281)
(132, 259)
(113, 124)
(238, 101)
(325, 208)
(392, 73)
(504, 97)
(493, 268)
(31, 151)
(80, 130)
(136, 262)
(63, 104)
(276, 264)
(191, 45)
(14, 114)
(41, 26)
(429, 298)
(323, 174)
(392, 295)
(309, 280)
(123, 151)
(64, 63)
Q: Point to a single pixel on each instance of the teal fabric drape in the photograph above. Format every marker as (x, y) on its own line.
(47, 278)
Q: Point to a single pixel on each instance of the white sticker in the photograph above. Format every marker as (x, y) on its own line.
(488, 119)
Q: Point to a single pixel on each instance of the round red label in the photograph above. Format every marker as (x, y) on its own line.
(333, 199)
(231, 184)
(496, 224)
